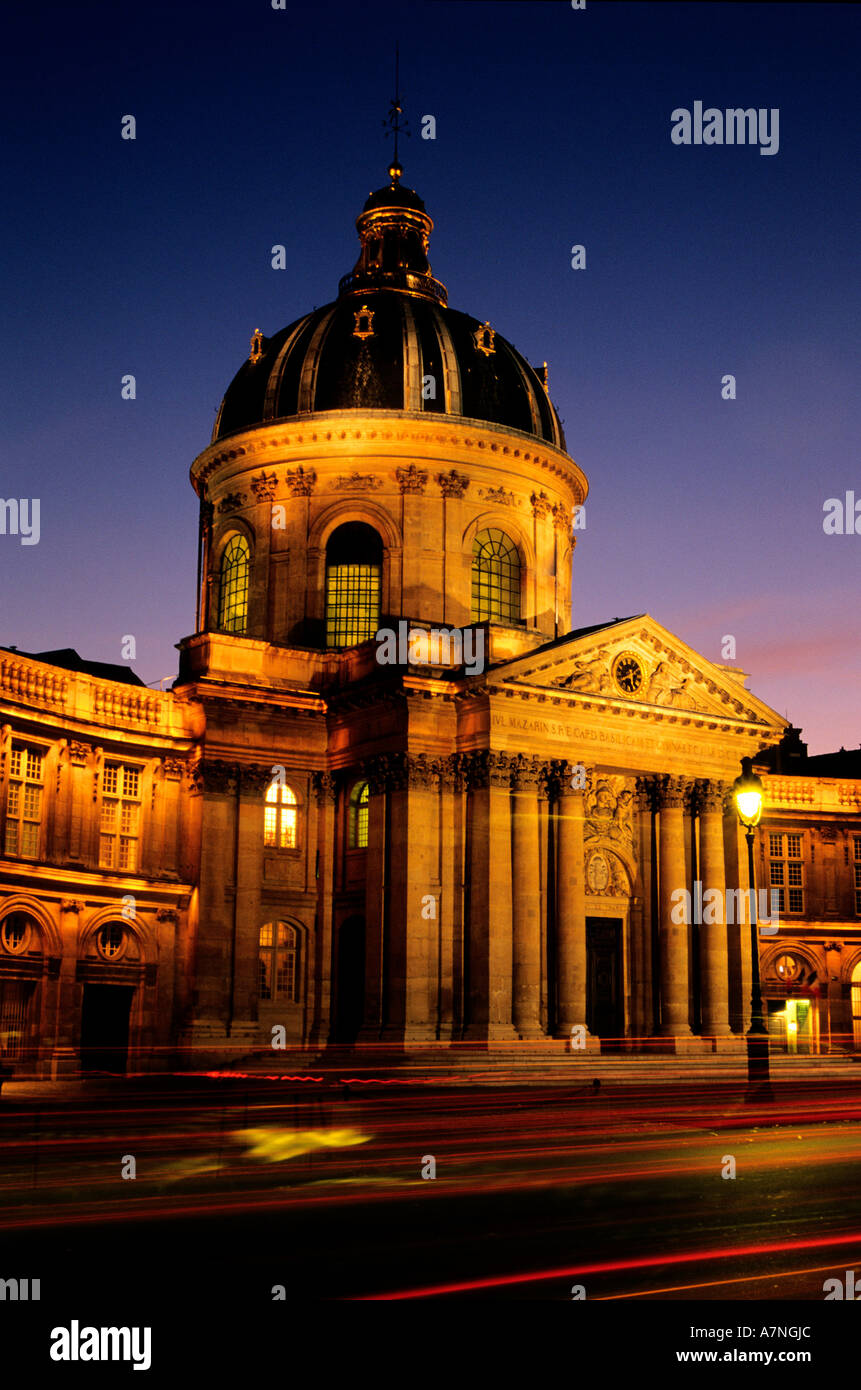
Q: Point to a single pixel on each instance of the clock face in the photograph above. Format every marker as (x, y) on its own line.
(628, 674)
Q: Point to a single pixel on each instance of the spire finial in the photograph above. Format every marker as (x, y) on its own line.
(395, 125)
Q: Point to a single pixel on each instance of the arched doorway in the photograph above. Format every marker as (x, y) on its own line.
(20, 973)
(109, 973)
(350, 981)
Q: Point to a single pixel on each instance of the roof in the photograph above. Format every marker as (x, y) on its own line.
(69, 660)
(389, 342)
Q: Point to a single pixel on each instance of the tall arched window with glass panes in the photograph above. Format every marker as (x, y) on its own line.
(495, 578)
(354, 571)
(233, 585)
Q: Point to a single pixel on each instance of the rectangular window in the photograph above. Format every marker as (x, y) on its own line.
(120, 819)
(24, 801)
(786, 868)
(857, 839)
(858, 889)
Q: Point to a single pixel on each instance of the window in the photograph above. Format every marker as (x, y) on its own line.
(17, 932)
(280, 817)
(24, 804)
(278, 962)
(111, 940)
(357, 830)
(233, 590)
(354, 569)
(495, 578)
(16, 998)
(788, 968)
(857, 867)
(118, 842)
(785, 870)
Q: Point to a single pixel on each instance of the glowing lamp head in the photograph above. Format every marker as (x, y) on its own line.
(747, 793)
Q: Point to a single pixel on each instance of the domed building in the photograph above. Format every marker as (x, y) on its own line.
(394, 797)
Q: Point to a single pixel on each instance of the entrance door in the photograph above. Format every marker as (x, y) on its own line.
(856, 1006)
(604, 979)
(105, 1027)
(350, 984)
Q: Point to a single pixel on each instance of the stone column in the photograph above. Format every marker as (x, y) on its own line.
(319, 975)
(248, 908)
(714, 945)
(414, 893)
(570, 909)
(675, 1007)
(525, 778)
(642, 914)
(171, 792)
(209, 949)
(450, 907)
(82, 822)
(377, 905)
(70, 994)
(490, 945)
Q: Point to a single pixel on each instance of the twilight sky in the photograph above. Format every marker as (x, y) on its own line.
(258, 126)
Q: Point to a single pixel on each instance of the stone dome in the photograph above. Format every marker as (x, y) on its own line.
(389, 341)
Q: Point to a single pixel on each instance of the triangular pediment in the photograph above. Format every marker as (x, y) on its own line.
(637, 661)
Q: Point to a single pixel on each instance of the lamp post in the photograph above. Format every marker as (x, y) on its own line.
(747, 794)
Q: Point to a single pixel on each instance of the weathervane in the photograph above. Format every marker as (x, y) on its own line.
(393, 123)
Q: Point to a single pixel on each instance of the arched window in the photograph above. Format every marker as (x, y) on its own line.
(233, 591)
(354, 570)
(357, 829)
(278, 962)
(495, 578)
(280, 817)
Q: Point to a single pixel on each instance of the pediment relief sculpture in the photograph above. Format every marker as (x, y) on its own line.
(592, 675)
(628, 675)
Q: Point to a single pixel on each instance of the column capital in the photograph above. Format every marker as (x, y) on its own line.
(528, 774)
(646, 795)
(254, 779)
(560, 777)
(486, 768)
(215, 775)
(401, 771)
(324, 786)
(673, 791)
(712, 795)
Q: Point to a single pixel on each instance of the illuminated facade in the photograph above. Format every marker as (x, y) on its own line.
(298, 835)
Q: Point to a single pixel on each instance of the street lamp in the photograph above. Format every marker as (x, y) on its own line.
(747, 794)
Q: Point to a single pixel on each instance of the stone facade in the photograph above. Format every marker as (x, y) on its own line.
(299, 837)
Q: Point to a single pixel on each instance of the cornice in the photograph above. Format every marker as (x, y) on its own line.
(530, 695)
(386, 429)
